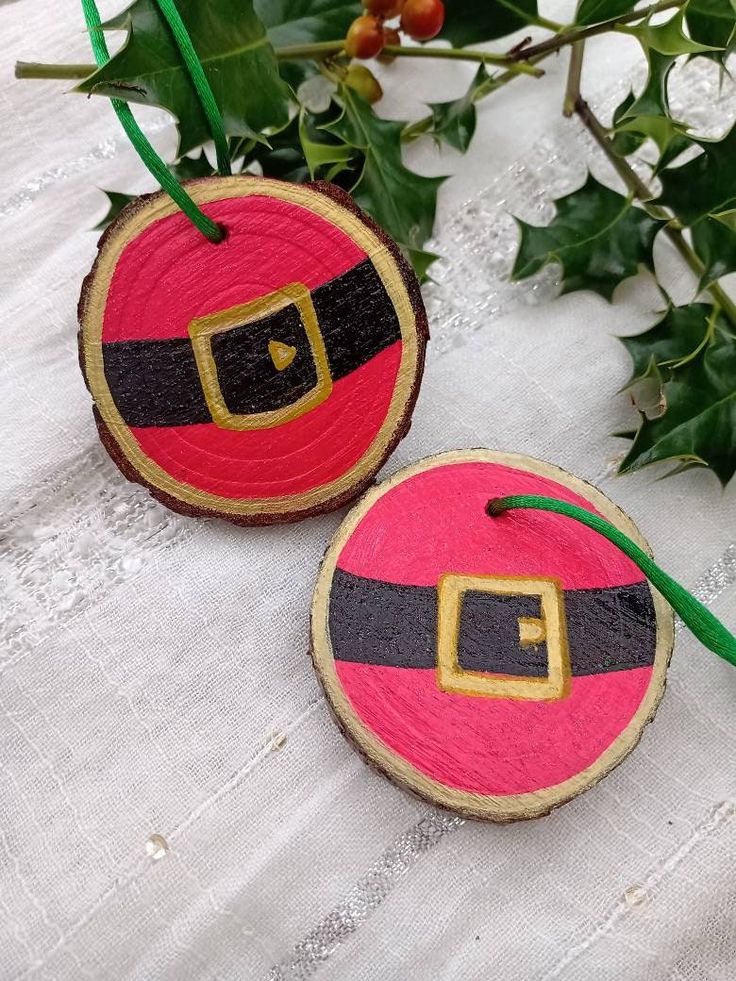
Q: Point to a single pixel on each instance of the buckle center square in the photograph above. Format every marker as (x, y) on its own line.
(537, 624)
(496, 635)
(243, 385)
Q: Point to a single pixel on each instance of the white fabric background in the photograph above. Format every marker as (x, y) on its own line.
(153, 672)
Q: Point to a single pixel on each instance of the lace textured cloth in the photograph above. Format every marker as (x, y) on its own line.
(175, 800)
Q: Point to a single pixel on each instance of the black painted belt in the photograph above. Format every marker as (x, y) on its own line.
(261, 366)
(384, 624)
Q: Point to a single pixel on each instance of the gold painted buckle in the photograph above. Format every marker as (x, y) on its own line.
(550, 627)
(202, 330)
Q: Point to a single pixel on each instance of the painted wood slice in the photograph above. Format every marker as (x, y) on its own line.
(496, 666)
(260, 379)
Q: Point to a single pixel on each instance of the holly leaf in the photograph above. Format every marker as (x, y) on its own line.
(674, 149)
(676, 335)
(421, 260)
(291, 22)
(713, 22)
(624, 143)
(661, 129)
(595, 11)
(400, 200)
(698, 395)
(653, 99)
(471, 21)
(282, 158)
(668, 38)
(648, 115)
(187, 168)
(714, 239)
(454, 122)
(323, 154)
(116, 202)
(236, 54)
(597, 236)
(704, 185)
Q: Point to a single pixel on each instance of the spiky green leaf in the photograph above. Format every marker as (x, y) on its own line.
(472, 21)
(663, 130)
(421, 260)
(596, 11)
(323, 153)
(283, 158)
(698, 396)
(626, 142)
(236, 54)
(291, 22)
(400, 200)
(674, 149)
(705, 185)
(714, 239)
(454, 122)
(598, 237)
(676, 335)
(713, 22)
(187, 168)
(669, 38)
(298, 22)
(653, 99)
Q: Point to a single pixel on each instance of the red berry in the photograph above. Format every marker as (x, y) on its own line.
(422, 19)
(364, 38)
(390, 36)
(384, 8)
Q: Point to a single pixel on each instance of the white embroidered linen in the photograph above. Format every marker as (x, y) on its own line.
(154, 677)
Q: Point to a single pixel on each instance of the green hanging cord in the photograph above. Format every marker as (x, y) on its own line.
(709, 630)
(200, 82)
(148, 155)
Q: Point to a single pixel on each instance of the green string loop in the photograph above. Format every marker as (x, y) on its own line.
(199, 81)
(135, 134)
(707, 628)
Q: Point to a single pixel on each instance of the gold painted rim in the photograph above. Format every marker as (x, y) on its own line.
(510, 807)
(216, 189)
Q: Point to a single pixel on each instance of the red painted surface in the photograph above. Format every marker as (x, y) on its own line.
(489, 745)
(435, 522)
(171, 273)
(307, 452)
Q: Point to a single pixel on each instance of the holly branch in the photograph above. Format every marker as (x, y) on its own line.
(520, 55)
(297, 94)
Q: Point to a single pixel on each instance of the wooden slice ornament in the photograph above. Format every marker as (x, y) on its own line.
(260, 379)
(495, 666)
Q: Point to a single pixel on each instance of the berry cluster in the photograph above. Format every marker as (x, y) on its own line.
(367, 35)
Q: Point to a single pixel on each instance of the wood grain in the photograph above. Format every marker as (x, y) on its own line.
(506, 756)
(264, 459)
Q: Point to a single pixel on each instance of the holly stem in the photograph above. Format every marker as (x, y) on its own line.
(294, 52)
(413, 130)
(539, 21)
(33, 69)
(572, 35)
(319, 49)
(640, 190)
(325, 49)
(572, 89)
(449, 54)
(498, 80)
